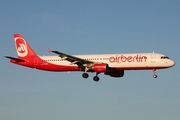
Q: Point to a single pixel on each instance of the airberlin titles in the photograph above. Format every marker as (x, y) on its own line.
(21, 47)
(130, 58)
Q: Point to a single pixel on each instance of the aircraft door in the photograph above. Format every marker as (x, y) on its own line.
(36, 61)
(153, 56)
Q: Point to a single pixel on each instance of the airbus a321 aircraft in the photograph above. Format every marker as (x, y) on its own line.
(113, 65)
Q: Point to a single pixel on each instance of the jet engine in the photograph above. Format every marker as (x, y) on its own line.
(102, 67)
(115, 73)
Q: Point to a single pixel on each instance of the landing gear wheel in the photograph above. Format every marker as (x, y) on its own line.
(154, 71)
(96, 78)
(155, 76)
(85, 75)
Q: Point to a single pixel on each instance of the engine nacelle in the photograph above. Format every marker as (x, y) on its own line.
(115, 73)
(101, 67)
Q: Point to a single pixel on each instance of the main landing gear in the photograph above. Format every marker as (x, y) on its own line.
(95, 78)
(154, 71)
(85, 75)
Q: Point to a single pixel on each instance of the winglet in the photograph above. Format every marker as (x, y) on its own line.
(49, 50)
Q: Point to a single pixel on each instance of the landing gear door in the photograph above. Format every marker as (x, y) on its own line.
(153, 56)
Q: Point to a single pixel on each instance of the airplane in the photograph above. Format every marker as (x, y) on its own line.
(113, 65)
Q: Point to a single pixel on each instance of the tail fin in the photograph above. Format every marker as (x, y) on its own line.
(22, 47)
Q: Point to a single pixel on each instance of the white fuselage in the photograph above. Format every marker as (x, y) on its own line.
(123, 61)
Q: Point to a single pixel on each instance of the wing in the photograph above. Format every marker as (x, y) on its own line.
(74, 60)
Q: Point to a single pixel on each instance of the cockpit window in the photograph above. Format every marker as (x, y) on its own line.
(164, 57)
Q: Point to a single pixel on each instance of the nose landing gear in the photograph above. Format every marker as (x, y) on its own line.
(155, 76)
(154, 71)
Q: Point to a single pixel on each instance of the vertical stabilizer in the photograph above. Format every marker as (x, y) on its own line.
(22, 47)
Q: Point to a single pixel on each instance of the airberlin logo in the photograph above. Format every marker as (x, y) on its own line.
(123, 58)
(21, 47)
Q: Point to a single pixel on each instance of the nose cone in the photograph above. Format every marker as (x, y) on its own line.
(171, 63)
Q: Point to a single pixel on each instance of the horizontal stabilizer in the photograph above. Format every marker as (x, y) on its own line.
(17, 59)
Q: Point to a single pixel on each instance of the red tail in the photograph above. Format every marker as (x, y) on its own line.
(22, 47)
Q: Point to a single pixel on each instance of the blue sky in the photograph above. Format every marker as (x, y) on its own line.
(89, 27)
